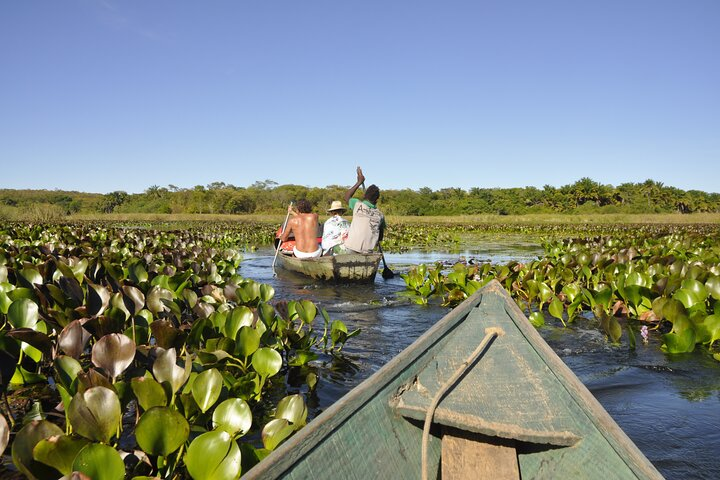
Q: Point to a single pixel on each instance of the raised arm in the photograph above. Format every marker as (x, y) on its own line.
(351, 191)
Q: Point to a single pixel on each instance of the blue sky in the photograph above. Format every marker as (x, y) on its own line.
(104, 95)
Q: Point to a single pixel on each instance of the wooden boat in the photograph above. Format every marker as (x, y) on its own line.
(517, 412)
(348, 267)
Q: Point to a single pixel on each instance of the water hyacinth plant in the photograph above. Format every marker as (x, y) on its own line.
(152, 355)
(667, 283)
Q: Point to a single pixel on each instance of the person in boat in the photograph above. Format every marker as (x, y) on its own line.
(304, 226)
(335, 230)
(368, 222)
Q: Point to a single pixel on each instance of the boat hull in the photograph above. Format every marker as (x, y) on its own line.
(518, 397)
(349, 267)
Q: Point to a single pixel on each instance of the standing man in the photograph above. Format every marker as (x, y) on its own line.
(304, 225)
(368, 223)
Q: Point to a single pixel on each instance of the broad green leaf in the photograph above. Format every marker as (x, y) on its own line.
(556, 309)
(165, 368)
(59, 452)
(306, 310)
(293, 409)
(213, 456)
(233, 416)
(266, 362)
(206, 388)
(537, 319)
(149, 393)
(683, 342)
(713, 287)
(161, 431)
(95, 414)
(23, 313)
(275, 431)
(267, 292)
(24, 443)
(67, 369)
(100, 462)
(696, 287)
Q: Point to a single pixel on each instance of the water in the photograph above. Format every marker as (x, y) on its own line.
(669, 406)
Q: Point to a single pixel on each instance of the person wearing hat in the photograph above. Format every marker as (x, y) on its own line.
(335, 230)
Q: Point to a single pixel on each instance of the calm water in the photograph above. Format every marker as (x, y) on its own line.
(669, 406)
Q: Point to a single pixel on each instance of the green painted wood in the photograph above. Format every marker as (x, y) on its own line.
(349, 267)
(364, 436)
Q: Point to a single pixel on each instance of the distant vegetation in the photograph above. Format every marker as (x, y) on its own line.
(267, 197)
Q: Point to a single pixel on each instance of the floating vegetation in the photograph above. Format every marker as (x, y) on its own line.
(666, 282)
(154, 356)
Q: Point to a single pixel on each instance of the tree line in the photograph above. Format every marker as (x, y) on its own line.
(268, 197)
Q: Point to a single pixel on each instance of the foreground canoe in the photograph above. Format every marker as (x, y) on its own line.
(348, 267)
(517, 412)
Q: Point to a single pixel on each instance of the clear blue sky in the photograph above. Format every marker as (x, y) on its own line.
(103, 95)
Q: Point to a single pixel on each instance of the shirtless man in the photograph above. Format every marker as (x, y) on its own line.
(304, 225)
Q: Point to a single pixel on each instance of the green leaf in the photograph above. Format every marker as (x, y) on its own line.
(161, 431)
(213, 456)
(293, 409)
(59, 452)
(100, 462)
(233, 416)
(206, 388)
(149, 393)
(23, 313)
(537, 319)
(67, 369)
(713, 287)
(275, 431)
(24, 444)
(165, 368)
(95, 414)
(248, 341)
(266, 362)
(556, 309)
(682, 342)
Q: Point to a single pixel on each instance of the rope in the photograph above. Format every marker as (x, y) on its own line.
(490, 334)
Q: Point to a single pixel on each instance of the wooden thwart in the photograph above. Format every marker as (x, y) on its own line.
(466, 455)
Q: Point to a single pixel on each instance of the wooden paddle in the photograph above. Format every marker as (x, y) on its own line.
(277, 250)
(386, 273)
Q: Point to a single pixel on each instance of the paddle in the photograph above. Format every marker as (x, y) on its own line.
(277, 250)
(386, 273)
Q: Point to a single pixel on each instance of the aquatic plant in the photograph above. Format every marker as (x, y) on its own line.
(160, 357)
(668, 282)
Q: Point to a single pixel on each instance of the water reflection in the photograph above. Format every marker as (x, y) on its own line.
(669, 406)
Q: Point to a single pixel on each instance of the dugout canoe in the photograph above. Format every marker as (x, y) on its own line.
(347, 267)
(517, 412)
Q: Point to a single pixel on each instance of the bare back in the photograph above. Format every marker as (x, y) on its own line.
(305, 228)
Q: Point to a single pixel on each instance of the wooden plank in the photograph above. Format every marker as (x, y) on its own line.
(468, 455)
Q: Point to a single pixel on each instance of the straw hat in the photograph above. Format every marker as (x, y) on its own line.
(335, 206)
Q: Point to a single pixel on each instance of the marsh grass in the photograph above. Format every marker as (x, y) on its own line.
(536, 219)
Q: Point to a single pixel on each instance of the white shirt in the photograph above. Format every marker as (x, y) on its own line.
(335, 232)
